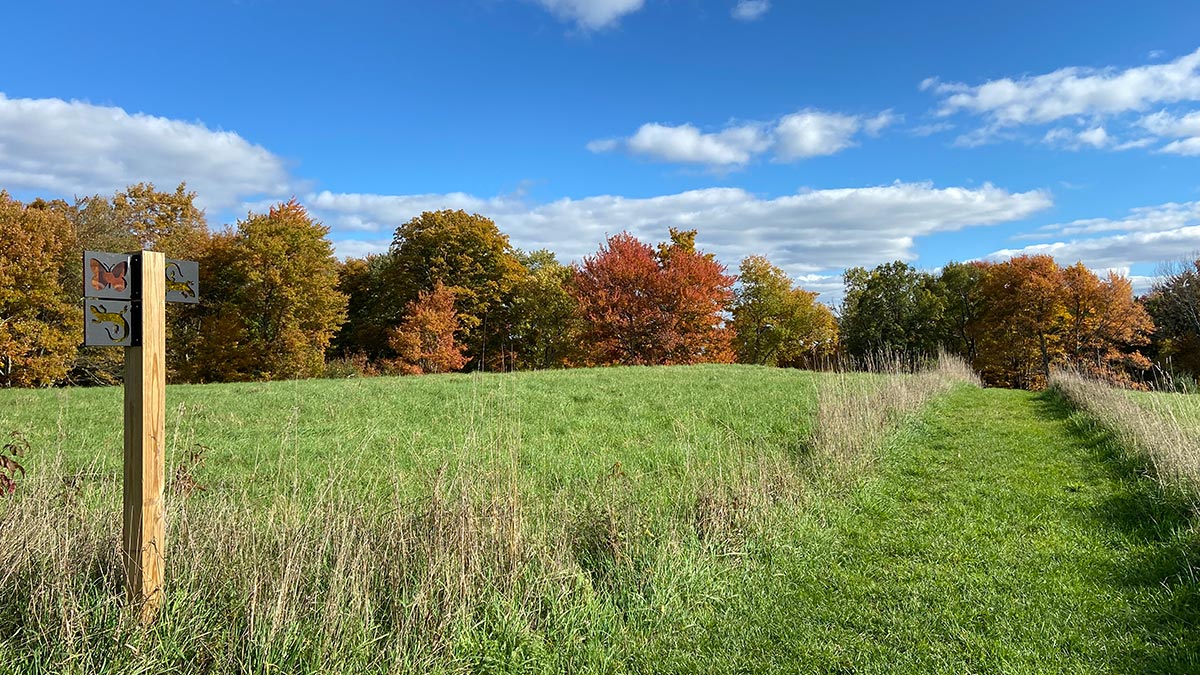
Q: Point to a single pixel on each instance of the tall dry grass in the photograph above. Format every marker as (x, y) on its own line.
(415, 585)
(1149, 426)
(857, 412)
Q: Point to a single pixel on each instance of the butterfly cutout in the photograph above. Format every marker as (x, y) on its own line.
(104, 276)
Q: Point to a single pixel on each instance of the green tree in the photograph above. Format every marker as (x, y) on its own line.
(776, 324)
(271, 302)
(892, 309)
(359, 279)
(39, 323)
(961, 288)
(546, 330)
(1174, 304)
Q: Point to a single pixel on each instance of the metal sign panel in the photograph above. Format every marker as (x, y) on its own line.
(183, 280)
(107, 275)
(108, 323)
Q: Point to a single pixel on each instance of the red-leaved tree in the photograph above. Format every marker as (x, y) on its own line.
(424, 340)
(642, 307)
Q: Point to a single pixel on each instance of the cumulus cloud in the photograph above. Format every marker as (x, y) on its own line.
(1146, 236)
(1187, 146)
(750, 10)
(1086, 96)
(77, 148)
(814, 233)
(804, 134)
(591, 14)
(734, 145)
(1185, 128)
(1073, 91)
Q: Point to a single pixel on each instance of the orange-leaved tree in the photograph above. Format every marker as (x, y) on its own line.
(424, 341)
(640, 307)
(39, 323)
(270, 304)
(1023, 321)
(1105, 324)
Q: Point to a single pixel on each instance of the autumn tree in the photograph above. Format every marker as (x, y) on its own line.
(1024, 320)
(136, 218)
(271, 302)
(39, 324)
(1105, 324)
(466, 253)
(546, 327)
(776, 324)
(892, 309)
(642, 307)
(424, 341)
(1174, 304)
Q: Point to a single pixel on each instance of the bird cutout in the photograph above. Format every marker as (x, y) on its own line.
(176, 282)
(113, 277)
(100, 314)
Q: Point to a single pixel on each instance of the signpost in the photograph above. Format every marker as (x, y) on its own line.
(125, 298)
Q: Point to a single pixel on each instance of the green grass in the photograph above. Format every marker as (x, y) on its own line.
(559, 427)
(999, 536)
(681, 527)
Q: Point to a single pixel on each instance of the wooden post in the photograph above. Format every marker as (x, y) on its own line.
(143, 534)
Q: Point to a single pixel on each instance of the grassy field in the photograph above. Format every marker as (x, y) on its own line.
(560, 428)
(707, 519)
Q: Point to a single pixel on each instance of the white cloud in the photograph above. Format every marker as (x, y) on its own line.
(1161, 218)
(1188, 146)
(1185, 128)
(591, 14)
(1086, 96)
(1120, 251)
(750, 10)
(77, 148)
(1095, 137)
(1148, 235)
(811, 133)
(1163, 123)
(815, 232)
(1074, 91)
(807, 133)
(734, 145)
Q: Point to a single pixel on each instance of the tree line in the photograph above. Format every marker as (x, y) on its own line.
(453, 294)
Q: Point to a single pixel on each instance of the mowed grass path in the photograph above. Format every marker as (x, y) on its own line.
(999, 535)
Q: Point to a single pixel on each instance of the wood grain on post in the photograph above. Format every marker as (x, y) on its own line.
(143, 534)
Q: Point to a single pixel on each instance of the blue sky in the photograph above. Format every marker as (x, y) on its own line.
(822, 135)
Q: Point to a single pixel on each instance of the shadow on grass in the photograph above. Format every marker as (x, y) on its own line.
(1161, 570)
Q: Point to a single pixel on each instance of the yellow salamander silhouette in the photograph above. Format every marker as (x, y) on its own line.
(176, 282)
(100, 314)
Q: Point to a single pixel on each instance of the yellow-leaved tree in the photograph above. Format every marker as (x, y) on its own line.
(270, 303)
(39, 324)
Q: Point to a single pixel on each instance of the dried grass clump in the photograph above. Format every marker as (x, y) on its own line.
(1149, 427)
(856, 411)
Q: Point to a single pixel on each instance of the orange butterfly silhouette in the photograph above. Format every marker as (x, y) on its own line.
(104, 276)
